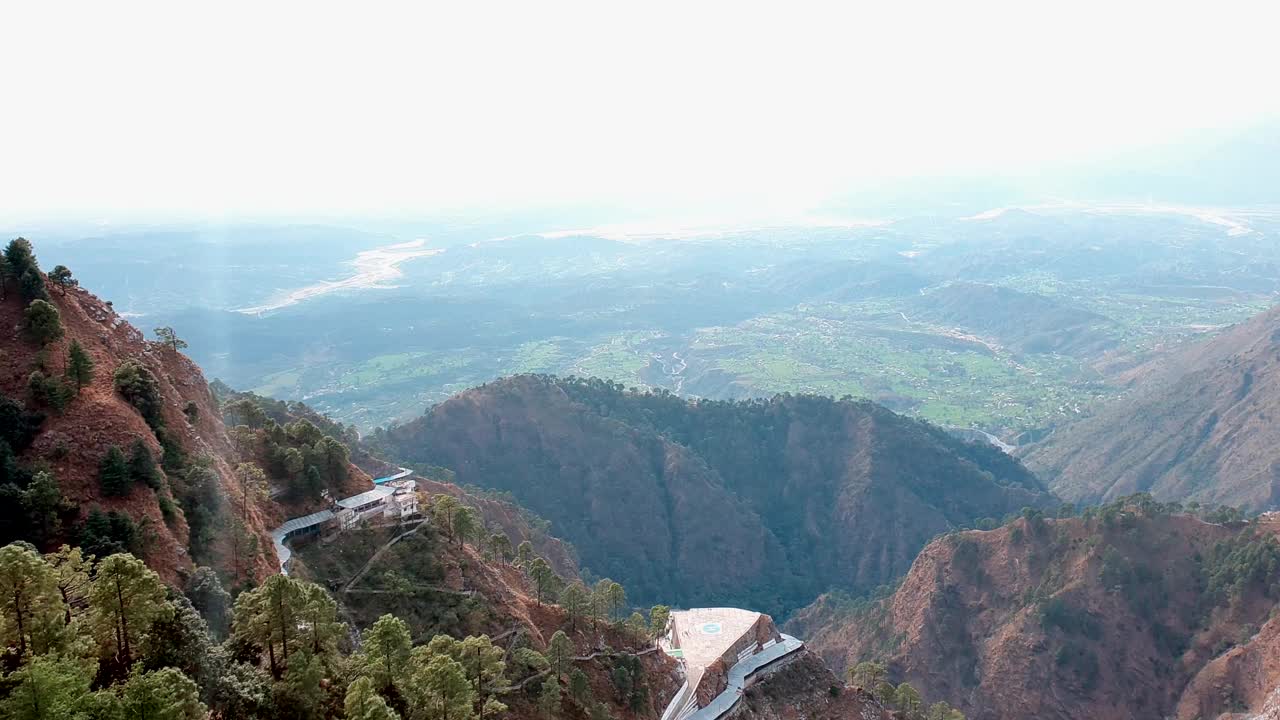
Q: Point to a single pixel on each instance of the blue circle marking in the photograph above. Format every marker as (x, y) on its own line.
(711, 628)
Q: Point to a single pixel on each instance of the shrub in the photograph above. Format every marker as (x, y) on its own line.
(138, 386)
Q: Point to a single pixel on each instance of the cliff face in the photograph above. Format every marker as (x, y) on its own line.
(72, 443)
(1199, 424)
(1117, 616)
(763, 504)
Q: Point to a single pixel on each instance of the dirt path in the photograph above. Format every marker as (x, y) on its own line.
(364, 569)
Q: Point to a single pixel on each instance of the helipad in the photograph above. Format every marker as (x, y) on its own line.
(744, 642)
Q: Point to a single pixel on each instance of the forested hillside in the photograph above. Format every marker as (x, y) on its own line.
(1124, 611)
(1198, 424)
(110, 441)
(758, 503)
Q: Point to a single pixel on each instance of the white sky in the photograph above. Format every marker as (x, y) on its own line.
(272, 107)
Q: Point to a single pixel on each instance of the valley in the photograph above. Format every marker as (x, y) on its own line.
(600, 361)
(1013, 323)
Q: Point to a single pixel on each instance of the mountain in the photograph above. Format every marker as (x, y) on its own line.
(1197, 425)
(1122, 613)
(1022, 322)
(762, 503)
(438, 586)
(145, 399)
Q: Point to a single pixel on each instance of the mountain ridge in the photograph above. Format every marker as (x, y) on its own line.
(629, 478)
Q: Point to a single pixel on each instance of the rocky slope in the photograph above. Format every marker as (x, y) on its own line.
(439, 586)
(802, 688)
(1199, 424)
(72, 442)
(1123, 613)
(762, 503)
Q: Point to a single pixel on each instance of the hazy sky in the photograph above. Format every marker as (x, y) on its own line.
(270, 107)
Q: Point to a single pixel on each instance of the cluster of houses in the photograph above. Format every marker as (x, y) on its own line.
(393, 498)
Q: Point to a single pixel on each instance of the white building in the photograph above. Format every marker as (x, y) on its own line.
(363, 506)
(402, 504)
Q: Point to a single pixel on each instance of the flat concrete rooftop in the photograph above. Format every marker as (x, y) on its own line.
(701, 635)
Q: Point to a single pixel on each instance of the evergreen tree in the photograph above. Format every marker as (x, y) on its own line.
(139, 387)
(48, 391)
(49, 688)
(544, 579)
(363, 702)
(319, 616)
(170, 339)
(466, 522)
(20, 256)
(559, 652)
(43, 504)
(125, 598)
(501, 545)
(942, 711)
(5, 273)
(438, 687)
(42, 322)
(142, 468)
(61, 276)
(524, 554)
(580, 688)
(907, 699)
(213, 602)
(31, 286)
(108, 533)
(549, 698)
(384, 652)
(113, 473)
(165, 694)
(576, 601)
(71, 568)
(79, 366)
(444, 509)
(867, 675)
(659, 617)
(31, 610)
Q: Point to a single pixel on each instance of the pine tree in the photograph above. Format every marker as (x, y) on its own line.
(384, 652)
(438, 687)
(61, 276)
(549, 698)
(142, 468)
(169, 338)
(580, 688)
(576, 601)
(559, 652)
(31, 610)
(363, 702)
(165, 694)
(543, 578)
(31, 286)
(113, 473)
(48, 687)
(42, 322)
(125, 598)
(79, 366)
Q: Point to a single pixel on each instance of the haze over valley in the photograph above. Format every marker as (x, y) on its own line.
(606, 361)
